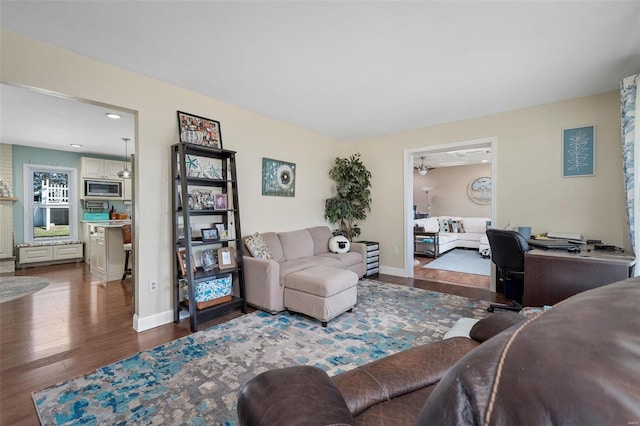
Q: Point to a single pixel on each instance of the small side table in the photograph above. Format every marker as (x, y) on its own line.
(373, 253)
(426, 243)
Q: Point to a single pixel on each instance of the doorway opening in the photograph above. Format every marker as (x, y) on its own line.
(52, 135)
(425, 197)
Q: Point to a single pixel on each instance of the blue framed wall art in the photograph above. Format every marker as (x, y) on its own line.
(278, 178)
(578, 152)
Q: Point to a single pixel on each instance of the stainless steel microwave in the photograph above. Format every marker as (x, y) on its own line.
(102, 188)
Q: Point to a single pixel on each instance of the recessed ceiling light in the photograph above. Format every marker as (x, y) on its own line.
(485, 161)
(76, 145)
(113, 115)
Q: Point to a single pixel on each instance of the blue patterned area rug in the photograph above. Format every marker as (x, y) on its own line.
(195, 380)
(462, 260)
(15, 287)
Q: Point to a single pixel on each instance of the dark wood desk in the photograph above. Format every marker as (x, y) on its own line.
(551, 276)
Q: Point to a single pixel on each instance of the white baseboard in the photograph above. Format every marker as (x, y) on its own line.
(152, 321)
(398, 272)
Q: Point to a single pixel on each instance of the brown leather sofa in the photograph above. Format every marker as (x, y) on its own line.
(575, 364)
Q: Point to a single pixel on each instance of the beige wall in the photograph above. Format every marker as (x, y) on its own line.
(35, 64)
(448, 194)
(530, 189)
(527, 179)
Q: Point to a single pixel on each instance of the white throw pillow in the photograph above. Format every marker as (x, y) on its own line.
(475, 224)
(339, 244)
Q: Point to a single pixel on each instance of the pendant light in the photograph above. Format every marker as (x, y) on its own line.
(126, 173)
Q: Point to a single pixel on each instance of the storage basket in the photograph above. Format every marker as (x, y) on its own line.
(212, 292)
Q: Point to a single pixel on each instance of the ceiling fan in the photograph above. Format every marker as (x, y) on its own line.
(422, 168)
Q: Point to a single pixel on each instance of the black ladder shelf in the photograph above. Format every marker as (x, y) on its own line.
(216, 180)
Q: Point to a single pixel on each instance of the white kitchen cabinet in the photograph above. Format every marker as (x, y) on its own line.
(98, 168)
(7, 261)
(99, 257)
(67, 251)
(52, 253)
(107, 260)
(6, 228)
(127, 190)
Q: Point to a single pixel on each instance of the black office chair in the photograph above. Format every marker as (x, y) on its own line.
(507, 252)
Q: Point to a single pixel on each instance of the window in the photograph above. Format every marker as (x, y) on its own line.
(50, 192)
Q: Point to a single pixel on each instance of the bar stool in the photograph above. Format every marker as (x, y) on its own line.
(128, 248)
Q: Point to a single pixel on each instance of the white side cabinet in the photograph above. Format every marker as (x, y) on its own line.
(98, 168)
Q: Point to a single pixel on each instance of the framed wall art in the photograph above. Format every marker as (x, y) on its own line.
(578, 151)
(479, 190)
(278, 178)
(199, 130)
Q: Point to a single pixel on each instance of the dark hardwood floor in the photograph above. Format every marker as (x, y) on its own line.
(78, 323)
(439, 275)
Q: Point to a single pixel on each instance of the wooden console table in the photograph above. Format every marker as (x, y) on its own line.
(426, 243)
(551, 276)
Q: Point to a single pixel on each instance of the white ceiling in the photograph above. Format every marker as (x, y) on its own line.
(39, 119)
(453, 157)
(357, 69)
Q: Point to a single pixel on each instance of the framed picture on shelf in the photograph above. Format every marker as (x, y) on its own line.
(222, 229)
(209, 261)
(194, 203)
(209, 234)
(200, 199)
(182, 261)
(226, 257)
(181, 233)
(199, 130)
(220, 202)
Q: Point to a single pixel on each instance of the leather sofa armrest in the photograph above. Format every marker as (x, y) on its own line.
(494, 324)
(301, 395)
(400, 373)
(262, 284)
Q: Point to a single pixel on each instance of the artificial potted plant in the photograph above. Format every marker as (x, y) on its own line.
(353, 199)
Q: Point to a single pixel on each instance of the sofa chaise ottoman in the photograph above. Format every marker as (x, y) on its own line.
(321, 292)
(286, 256)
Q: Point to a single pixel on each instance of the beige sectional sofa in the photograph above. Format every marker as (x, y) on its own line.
(471, 235)
(292, 252)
